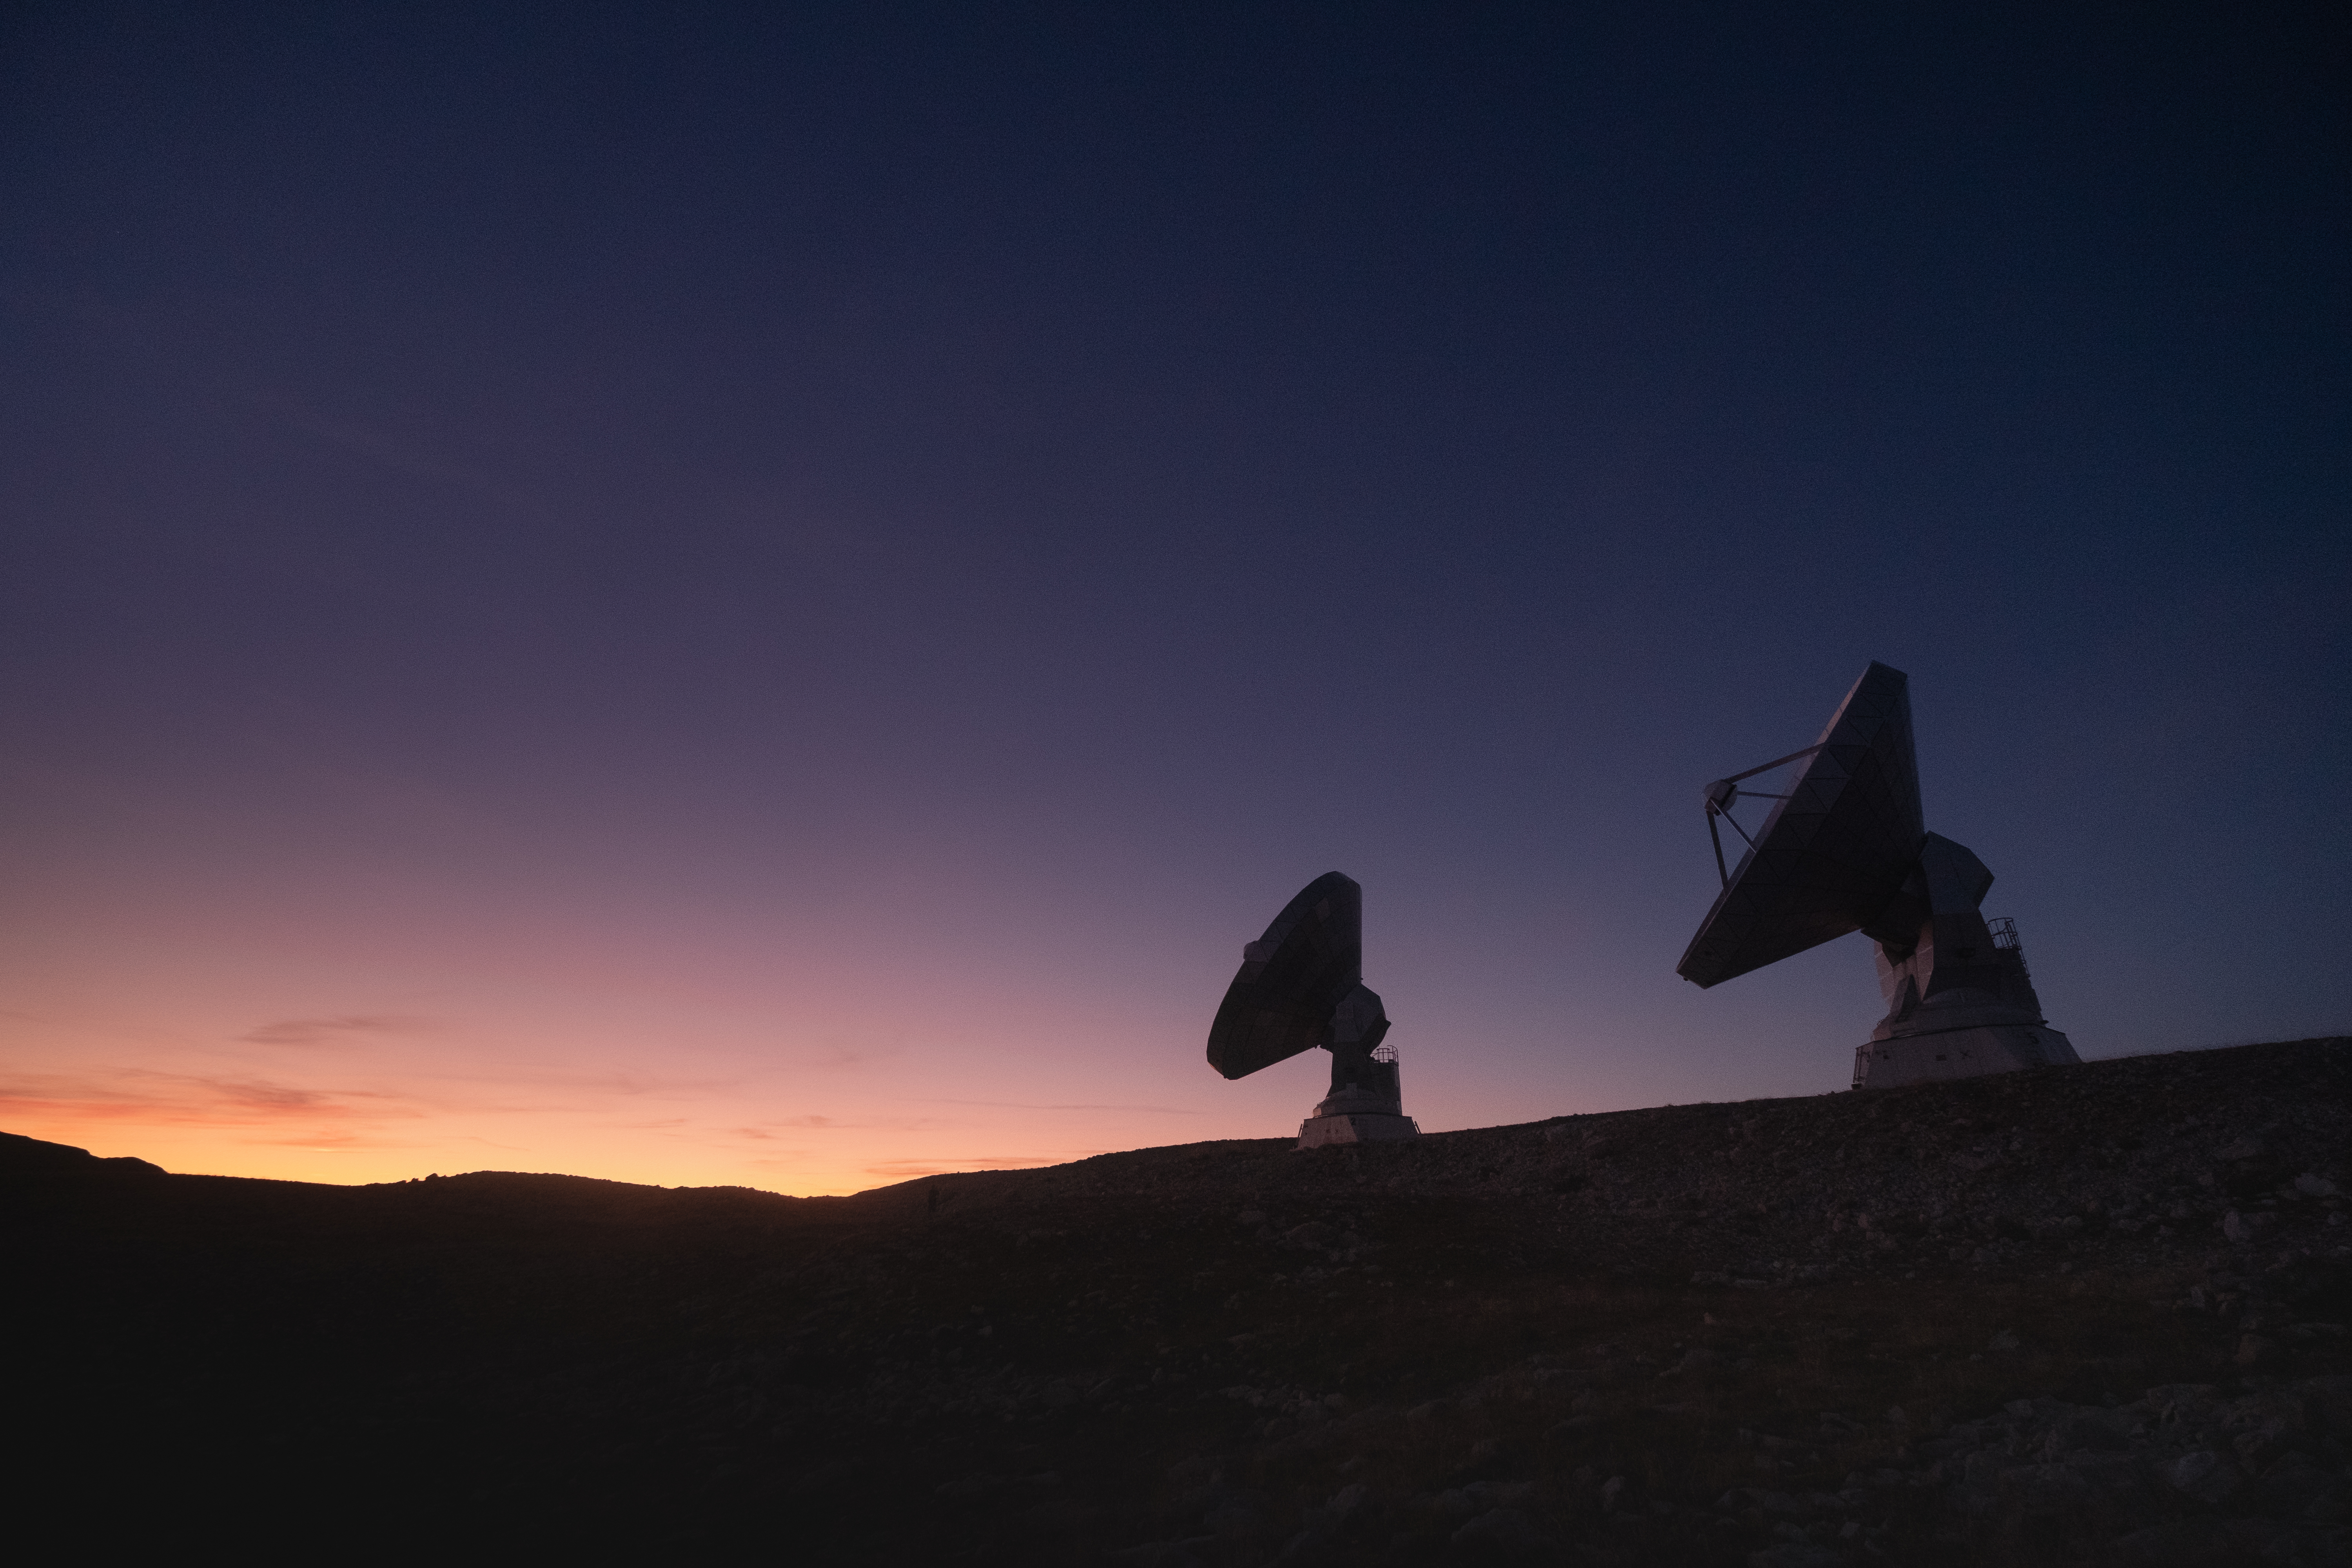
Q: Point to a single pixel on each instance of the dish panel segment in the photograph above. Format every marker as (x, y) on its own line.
(1292, 979)
(1833, 853)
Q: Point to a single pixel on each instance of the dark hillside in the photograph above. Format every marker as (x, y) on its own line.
(2091, 1314)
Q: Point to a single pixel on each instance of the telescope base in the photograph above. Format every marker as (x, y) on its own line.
(1960, 1053)
(1356, 1127)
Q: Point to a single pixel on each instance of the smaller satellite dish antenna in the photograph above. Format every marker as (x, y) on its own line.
(1846, 849)
(1301, 985)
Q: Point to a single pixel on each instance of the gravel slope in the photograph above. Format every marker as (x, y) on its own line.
(2089, 1314)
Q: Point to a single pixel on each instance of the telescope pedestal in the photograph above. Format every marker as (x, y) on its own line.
(1365, 1103)
(1959, 1053)
(1358, 1127)
(1961, 999)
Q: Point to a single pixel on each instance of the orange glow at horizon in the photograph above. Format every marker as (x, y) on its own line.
(554, 1054)
(228, 994)
(301, 1126)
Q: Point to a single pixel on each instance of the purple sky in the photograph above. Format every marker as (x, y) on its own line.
(740, 593)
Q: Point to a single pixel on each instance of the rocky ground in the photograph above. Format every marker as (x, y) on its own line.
(2091, 1314)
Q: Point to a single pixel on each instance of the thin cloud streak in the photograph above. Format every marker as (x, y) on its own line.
(399, 454)
(334, 1143)
(877, 1124)
(1025, 1105)
(905, 1169)
(326, 1031)
(628, 1085)
(187, 1100)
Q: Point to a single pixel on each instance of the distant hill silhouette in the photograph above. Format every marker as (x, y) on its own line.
(23, 1157)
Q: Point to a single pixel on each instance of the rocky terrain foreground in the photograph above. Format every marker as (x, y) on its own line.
(2087, 1315)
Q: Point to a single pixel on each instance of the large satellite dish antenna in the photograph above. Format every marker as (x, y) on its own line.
(1302, 985)
(1845, 848)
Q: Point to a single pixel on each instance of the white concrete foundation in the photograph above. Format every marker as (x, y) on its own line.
(1959, 1053)
(1356, 1127)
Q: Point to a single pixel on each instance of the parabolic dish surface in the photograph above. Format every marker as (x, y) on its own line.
(1308, 962)
(1833, 854)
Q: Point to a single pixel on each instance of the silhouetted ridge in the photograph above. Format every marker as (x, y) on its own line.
(23, 1156)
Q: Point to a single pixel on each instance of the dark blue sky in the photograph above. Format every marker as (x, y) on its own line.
(1020, 489)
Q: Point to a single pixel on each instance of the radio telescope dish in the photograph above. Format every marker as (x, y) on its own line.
(1845, 848)
(1831, 852)
(1301, 985)
(1291, 979)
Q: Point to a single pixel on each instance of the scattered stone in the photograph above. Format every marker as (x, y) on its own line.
(2204, 1542)
(1164, 1554)
(1502, 1528)
(1795, 1555)
(2204, 1475)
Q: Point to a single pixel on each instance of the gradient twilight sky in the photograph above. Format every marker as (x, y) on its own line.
(767, 594)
